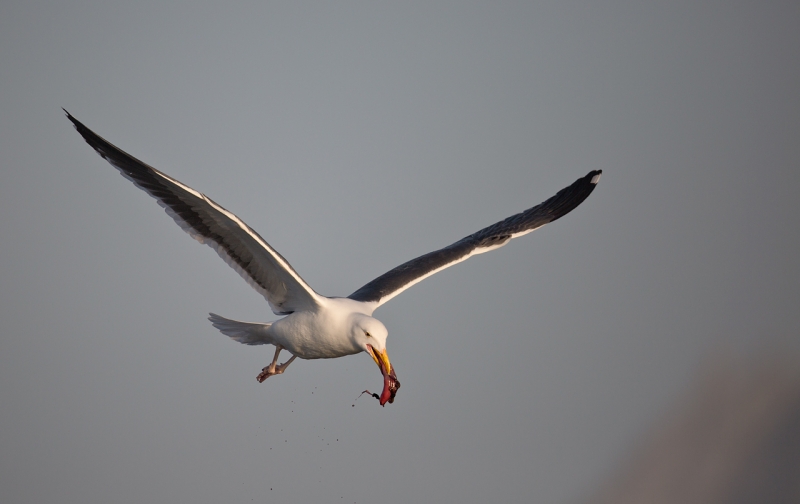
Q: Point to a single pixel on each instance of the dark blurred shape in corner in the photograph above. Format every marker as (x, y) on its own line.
(734, 438)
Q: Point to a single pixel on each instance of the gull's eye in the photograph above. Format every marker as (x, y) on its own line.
(368, 334)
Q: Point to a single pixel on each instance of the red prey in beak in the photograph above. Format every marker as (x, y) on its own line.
(390, 383)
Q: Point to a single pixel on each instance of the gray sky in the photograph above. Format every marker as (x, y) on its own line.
(353, 137)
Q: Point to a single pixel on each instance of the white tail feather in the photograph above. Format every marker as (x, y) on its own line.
(248, 333)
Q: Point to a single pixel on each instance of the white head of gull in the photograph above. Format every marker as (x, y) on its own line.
(315, 326)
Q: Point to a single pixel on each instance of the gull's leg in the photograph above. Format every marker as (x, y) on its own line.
(271, 369)
(280, 369)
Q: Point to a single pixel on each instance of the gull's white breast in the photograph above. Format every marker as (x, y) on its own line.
(322, 333)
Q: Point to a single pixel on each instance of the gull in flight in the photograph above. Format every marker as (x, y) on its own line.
(314, 326)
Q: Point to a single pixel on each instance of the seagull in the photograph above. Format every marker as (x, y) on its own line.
(314, 326)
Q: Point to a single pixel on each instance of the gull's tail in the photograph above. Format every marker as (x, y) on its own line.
(249, 333)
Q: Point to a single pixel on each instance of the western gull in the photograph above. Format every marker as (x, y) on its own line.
(314, 326)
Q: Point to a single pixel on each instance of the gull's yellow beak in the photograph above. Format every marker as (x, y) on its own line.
(381, 359)
(390, 383)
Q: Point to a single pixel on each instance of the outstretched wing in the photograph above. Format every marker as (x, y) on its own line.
(395, 281)
(207, 222)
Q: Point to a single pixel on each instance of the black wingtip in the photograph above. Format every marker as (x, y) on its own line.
(594, 176)
(90, 136)
(114, 155)
(98, 143)
(78, 125)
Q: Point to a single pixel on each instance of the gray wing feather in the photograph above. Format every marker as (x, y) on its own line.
(395, 281)
(206, 221)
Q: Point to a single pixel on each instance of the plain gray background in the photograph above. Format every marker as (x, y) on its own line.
(354, 136)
